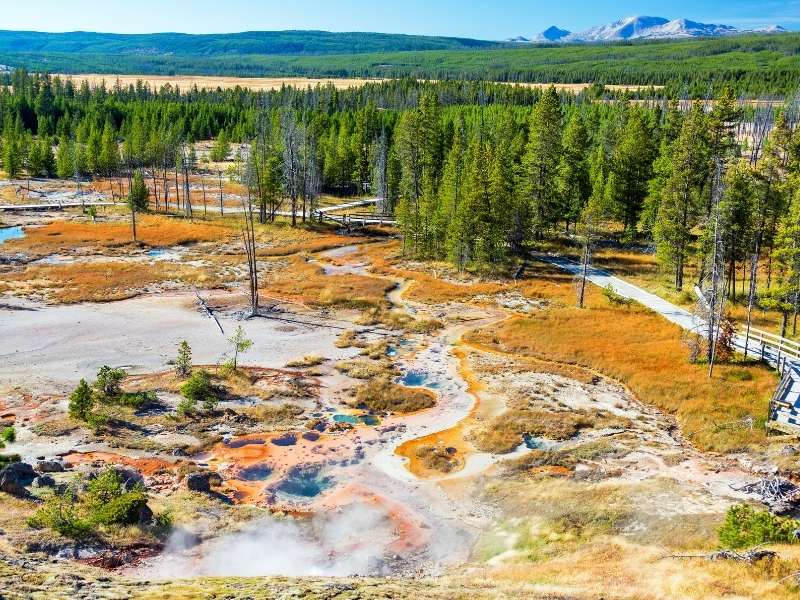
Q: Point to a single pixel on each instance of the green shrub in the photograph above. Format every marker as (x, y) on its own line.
(7, 459)
(105, 503)
(108, 381)
(199, 389)
(614, 298)
(61, 513)
(9, 434)
(81, 401)
(745, 527)
(108, 503)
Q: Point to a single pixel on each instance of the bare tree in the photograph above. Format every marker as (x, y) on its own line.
(249, 239)
(380, 173)
(292, 181)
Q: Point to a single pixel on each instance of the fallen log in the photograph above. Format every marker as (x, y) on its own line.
(209, 312)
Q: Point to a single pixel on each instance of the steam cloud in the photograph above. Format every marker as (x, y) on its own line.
(351, 541)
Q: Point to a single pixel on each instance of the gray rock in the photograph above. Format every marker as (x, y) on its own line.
(15, 477)
(202, 481)
(43, 481)
(50, 466)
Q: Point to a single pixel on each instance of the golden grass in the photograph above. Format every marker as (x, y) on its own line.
(380, 394)
(306, 283)
(644, 351)
(151, 230)
(186, 82)
(102, 281)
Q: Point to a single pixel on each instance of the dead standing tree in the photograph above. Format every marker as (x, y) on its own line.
(249, 239)
(711, 291)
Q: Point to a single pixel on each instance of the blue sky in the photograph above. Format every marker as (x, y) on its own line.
(496, 19)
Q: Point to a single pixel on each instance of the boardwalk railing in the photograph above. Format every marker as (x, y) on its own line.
(786, 349)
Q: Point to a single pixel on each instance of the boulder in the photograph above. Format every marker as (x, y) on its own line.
(50, 466)
(43, 481)
(15, 477)
(202, 481)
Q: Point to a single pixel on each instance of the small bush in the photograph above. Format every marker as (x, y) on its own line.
(9, 434)
(81, 401)
(199, 389)
(614, 298)
(108, 382)
(105, 503)
(745, 527)
(7, 459)
(186, 407)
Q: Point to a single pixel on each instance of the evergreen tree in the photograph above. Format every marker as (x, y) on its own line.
(539, 177)
(81, 401)
(108, 159)
(631, 165)
(65, 160)
(183, 362)
(681, 200)
(12, 155)
(573, 172)
(221, 148)
(138, 195)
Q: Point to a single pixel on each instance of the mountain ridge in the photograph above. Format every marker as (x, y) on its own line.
(641, 27)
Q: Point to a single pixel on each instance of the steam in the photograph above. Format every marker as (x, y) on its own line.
(350, 541)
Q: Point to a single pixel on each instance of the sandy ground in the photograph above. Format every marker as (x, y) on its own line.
(44, 345)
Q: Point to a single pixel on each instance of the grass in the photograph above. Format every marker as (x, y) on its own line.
(362, 369)
(306, 283)
(151, 230)
(505, 432)
(102, 281)
(310, 360)
(644, 351)
(380, 394)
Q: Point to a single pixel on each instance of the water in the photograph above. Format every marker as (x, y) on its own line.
(352, 419)
(418, 379)
(370, 420)
(257, 472)
(156, 252)
(11, 233)
(391, 351)
(535, 443)
(304, 482)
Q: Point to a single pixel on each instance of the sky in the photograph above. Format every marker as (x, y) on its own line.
(494, 20)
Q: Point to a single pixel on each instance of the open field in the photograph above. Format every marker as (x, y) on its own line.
(186, 82)
(260, 84)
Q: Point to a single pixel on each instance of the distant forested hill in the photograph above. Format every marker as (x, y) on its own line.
(751, 64)
(247, 43)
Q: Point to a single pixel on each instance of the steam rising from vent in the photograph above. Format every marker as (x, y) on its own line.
(351, 541)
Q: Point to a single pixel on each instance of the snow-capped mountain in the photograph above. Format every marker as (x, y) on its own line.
(642, 27)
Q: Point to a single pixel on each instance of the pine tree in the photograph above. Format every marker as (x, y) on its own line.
(12, 155)
(539, 177)
(631, 164)
(183, 362)
(681, 201)
(108, 159)
(81, 401)
(221, 148)
(573, 171)
(787, 255)
(65, 160)
(138, 195)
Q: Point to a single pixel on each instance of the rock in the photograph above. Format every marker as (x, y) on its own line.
(15, 477)
(50, 466)
(789, 450)
(145, 516)
(43, 481)
(23, 470)
(202, 481)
